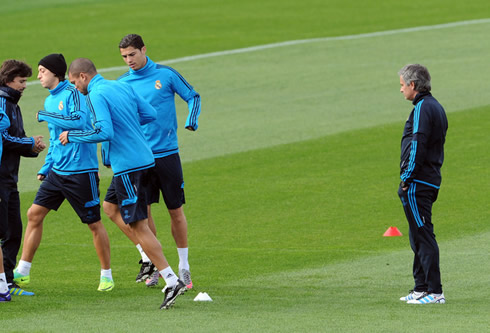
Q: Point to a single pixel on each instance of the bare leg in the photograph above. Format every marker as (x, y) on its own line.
(151, 222)
(101, 243)
(34, 231)
(112, 211)
(149, 243)
(179, 227)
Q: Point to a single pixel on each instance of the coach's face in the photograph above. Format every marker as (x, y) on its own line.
(80, 81)
(134, 58)
(407, 90)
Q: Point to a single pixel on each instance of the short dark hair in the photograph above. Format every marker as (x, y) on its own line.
(133, 40)
(82, 65)
(13, 68)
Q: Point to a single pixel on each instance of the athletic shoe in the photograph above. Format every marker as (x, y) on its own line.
(21, 280)
(105, 284)
(171, 294)
(5, 297)
(412, 294)
(15, 290)
(153, 279)
(147, 268)
(427, 298)
(185, 276)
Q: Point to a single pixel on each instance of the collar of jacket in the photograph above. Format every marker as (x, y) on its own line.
(11, 94)
(419, 96)
(142, 71)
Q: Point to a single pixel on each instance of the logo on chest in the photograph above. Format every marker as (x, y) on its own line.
(60, 106)
(158, 85)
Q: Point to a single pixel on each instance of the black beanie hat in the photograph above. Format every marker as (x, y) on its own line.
(55, 63)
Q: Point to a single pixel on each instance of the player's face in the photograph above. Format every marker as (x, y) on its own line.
(47, 78)
(80, 82)
(407, 90)
(19, 83)
(134, 58)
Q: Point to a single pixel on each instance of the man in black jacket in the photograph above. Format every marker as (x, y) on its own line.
(13, 79)
(422, 155)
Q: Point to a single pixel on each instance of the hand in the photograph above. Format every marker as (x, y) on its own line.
(41, 177)
(39, 145)
(64, 138)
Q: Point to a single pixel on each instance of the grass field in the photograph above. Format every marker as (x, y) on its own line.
(291, 179)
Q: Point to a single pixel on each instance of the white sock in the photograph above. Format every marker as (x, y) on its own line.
(183, 258)
(106, 273)
(3, 283)
(24, 267)
(169, 276)
(144, 257)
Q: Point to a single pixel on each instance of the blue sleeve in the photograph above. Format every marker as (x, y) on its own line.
(102, 122)
(4, 121)
(188, 94)
(418, 149)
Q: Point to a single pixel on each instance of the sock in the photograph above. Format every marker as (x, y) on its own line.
(24, 267)
(3, 283)
(169, 276)
(183, 258)
(144, 257)
(106, 273)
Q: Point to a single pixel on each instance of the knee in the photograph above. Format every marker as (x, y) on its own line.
(35, 216)
(110, 209)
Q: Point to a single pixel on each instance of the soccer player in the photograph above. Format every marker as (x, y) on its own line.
(158, 85)
(118, 113)
(69, 172)
(13, 82)
(422, 155)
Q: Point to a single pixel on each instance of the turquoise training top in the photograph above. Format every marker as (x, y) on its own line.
(65, 110)
(117, 114)
(158, 85)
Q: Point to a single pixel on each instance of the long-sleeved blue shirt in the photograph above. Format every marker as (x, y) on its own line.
(4, 124)
(422, 145)
(158, 85)
(117, 114)
(64, 110)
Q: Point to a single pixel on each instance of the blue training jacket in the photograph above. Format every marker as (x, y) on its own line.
(422, 146)
(65, 110)
(158, 85)
(118, 113)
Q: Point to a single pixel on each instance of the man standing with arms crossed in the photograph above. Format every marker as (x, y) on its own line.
(118, 113)
(70, 172)
(422, 155)
(158, 85)
(13, 82)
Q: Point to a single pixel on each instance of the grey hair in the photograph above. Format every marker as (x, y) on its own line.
(417, 74)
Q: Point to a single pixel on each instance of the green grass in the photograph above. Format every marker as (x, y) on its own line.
(291, 179)
(90, 28)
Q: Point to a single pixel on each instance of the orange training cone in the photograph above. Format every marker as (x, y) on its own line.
(392, 231)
